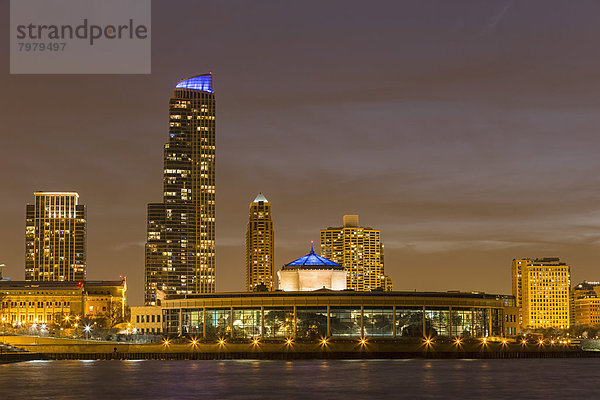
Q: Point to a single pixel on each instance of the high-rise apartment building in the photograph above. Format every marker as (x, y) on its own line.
(359, 250)
(259, 245)
(55, 236)
(180, 247)
(541, 288)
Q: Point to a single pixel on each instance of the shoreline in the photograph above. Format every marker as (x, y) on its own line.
(45, 348)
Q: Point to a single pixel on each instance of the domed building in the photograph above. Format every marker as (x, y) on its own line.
(311, 272)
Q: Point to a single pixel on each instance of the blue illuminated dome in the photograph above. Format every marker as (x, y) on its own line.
(312, 261)
(198, 82)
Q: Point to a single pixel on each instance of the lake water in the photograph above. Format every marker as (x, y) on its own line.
(373, 379)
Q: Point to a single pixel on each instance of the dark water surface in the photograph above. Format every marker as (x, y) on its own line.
(373, 379)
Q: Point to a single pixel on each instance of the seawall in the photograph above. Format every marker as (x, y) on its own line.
(59, 349)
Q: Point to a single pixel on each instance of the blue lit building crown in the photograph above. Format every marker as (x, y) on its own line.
(199, 82)
(312, 259)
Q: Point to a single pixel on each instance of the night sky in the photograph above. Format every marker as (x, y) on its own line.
(467, 131)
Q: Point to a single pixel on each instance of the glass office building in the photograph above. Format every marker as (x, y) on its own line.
(180, 246)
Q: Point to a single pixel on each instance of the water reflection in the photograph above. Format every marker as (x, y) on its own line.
(372, 379)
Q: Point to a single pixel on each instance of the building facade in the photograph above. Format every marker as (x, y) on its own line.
(260, 245)
(359, 250)
(55, 238)
(146, 320)
(62, 303)
(343, 314)
(180, 247)
(541, 288)
(586, 311)
(585, 303)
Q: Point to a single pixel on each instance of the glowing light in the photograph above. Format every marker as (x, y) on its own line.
(363, 341)
(324, 341)
(221, 341)
(458, 342)
(87, 328)
(166, 342)
(524, 341)
(255, 341)
(541, 341)
(200, 82)
(289, 342)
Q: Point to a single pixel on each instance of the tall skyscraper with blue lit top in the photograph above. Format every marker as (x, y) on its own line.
(180, 247)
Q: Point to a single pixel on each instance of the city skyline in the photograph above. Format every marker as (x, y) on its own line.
(454, 147)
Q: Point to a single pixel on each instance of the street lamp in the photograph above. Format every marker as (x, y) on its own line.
(87, 330)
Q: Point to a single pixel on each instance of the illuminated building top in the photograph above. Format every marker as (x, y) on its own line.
(198, 82)
(313, 260)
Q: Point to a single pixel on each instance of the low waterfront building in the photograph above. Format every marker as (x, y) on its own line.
(585, 303)
(586, 311)
(342, 314)
(27, 302)
(311, 272)
(146, 320)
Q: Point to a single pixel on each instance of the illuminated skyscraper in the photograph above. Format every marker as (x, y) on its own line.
(55, 235)
(359, 250)
(541, 288)
(259, 245)
(180, 247)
